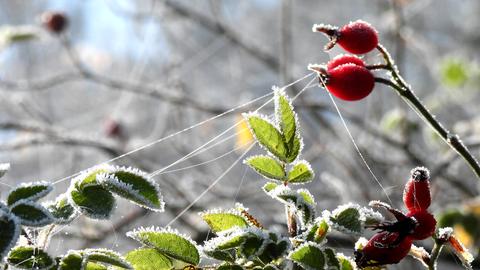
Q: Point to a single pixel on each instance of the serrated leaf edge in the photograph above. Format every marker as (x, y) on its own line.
(308, 243)
(16, 233)
(309, 167)
(38, 195)
(110, 178)
(42, 222)
(269, 155)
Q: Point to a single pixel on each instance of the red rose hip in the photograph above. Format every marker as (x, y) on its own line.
(358, 37)
(350, 82)
(416, 194)
(344, 59)
(380, 251)
(425, 224)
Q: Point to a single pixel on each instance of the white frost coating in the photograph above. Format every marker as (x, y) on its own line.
(4, 207)
(61, 221)
(4, 168)
(48, 217)
(38, 195)
(313, 244)
(7, 216)
(309, 167)
(111, 179)
(369, 213)
(88, 172)
(245, 162)
(445, 232)
(306, 191)
(322, 25)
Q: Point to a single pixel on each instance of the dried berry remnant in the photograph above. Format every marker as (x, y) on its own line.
(357, 37)
(55, 22)
(416, 194)
(381, 250)
(344, 59)
(426, 224)
(350, 82)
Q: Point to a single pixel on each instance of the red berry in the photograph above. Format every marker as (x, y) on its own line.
(358, 37)
(350, 82)
(55, 22)
(344, 59)
(426, 224)
(416, 194)
(381, 250)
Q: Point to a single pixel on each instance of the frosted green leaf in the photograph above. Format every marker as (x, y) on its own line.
(308, 256)
(307, 196)
(74, 261)
(346, 263)
(105, 256)
(169, 243)
(269, 187)
(252, 246)
(347, 218)
(89, 177)
(223, 221)
(31, 214)
(267, 135)
(230, 267)
(29, 257)
(133, 185)
(29, 191)
(221, 255)
(266, 166)
(62, 210)
(285, 116)
(318, 231)
(4, 167)
(294, 148)
(92, 201)
(331, 258)
(231, 241)
(147, 259)
(300, 173)
(9, 232)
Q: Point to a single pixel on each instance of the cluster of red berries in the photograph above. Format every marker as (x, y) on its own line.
(347, 77)
(394, 240)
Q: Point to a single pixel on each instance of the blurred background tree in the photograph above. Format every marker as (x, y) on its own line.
(125, 73)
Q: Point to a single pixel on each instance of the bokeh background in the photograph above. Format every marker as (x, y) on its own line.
(126, 73)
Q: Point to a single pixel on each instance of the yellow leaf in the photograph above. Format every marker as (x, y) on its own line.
(244, 135)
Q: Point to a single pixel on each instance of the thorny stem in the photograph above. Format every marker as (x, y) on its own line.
(405, 91)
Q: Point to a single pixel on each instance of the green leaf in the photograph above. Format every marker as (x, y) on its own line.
(9, 232)
(147, 259)
(285, 115)
(230, 241)
(223, 221)
(345, 262)
(269, 187)
(169, 243)
(266, 166)
(251, 246)
(133, 185)
(29, 257)
(4, 168)
(294, 148)
(89, 177)
(221, 255)
(31, 214)
(331, 258)
(346, 218)
(62, 210)
(267, 135)
(318, 231)
(106, 256)
(301, 173)
(307, 196)
(29, 191)
(308, 256)
(92, 201)
(73, 260)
